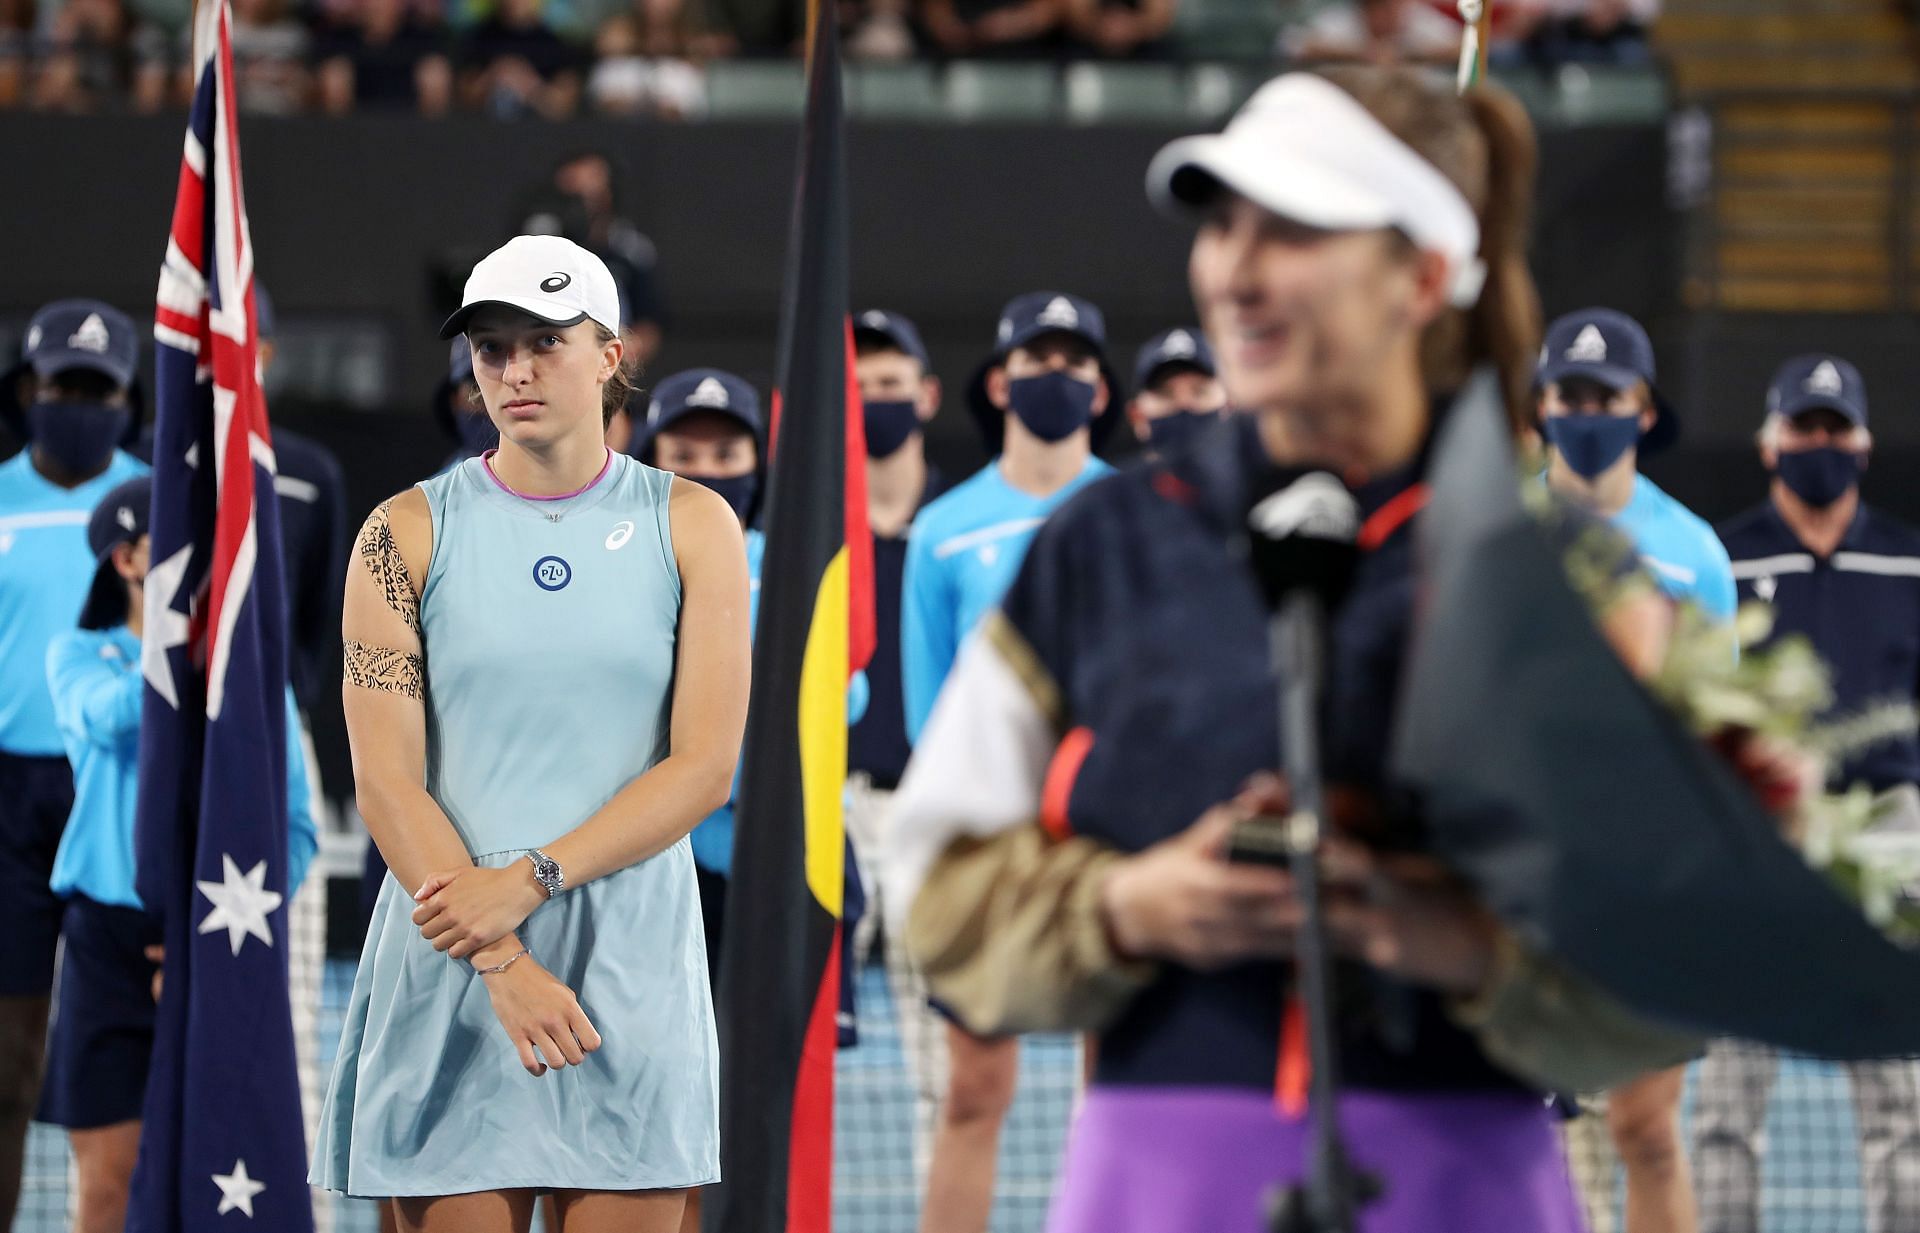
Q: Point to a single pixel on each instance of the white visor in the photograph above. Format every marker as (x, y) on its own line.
(551, 278)
(1306, 150)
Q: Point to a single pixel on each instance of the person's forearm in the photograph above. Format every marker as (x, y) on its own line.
(645, 818)
(414, 835)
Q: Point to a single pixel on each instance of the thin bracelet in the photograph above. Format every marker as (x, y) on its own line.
(499, 968)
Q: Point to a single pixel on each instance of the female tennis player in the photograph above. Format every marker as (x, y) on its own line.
(546, 656)
(1066, 816)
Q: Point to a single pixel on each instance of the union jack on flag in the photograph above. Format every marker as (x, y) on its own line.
(223, 1142)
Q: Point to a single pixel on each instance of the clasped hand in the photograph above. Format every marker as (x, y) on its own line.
(463, 910)
(1184, 901)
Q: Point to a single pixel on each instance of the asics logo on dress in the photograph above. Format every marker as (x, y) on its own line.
(1825, 380)
(709, 393)
(621, 534)
(1589, 347)
(1061, 312)
(91, 336)
(555, 282)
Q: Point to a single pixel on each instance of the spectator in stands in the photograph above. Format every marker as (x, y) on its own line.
(85, 59)
(578, 202)
(16, 48)
(514, 65)
(634, 75)
(384, 57)
(1384, 32)
(1847, 578)
(270, 51)
(1594, 31)
(1119, 27)
(993, 28)
(877, 29)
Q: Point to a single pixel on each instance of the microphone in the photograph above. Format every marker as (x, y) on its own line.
(1301, 546)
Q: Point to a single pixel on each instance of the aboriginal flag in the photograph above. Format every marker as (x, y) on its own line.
(780, 984)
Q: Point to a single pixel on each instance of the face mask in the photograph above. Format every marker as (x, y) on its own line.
(889, 424)
(1052, 406)
(1820, 476)
(1170, 432)
(77, 437)
(1592, 443)
(738, 490)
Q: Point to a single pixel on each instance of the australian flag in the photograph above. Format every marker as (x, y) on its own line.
(223, 1144)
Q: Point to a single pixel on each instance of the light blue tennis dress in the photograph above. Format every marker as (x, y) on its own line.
(549, 630)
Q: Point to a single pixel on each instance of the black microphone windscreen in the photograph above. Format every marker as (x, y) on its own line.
(1301, 537)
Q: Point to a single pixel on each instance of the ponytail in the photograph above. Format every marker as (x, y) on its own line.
(1484, 143)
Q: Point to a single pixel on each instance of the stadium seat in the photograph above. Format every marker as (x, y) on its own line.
(893, 92)
(1098, 93)
(981, 90)
(755, 88)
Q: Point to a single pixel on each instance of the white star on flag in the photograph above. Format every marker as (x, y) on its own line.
(240, 903)
(236, 1188)
(166, 628)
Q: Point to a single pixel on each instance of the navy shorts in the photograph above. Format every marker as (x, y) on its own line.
(36, 795)
(101, 1039)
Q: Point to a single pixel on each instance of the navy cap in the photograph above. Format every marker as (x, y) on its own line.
(895, 330)
(1027, 317)
(70, 334)
(695, 391)
(1178, 347)
(120, 518)
(459, 373)
(1608, 347)
(1809, 382)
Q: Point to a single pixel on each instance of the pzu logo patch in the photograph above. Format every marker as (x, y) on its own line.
(551, 573)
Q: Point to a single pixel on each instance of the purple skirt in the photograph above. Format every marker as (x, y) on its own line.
(1170, 1160)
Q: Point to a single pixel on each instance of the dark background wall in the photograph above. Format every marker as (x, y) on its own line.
(371, 222)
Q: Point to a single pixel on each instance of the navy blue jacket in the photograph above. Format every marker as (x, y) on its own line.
(1136, 601)
(1861, 610)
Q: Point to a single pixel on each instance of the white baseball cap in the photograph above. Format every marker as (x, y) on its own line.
(546, 276)
(1307, 150)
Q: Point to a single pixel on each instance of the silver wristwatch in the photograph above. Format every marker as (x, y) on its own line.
(547, 872)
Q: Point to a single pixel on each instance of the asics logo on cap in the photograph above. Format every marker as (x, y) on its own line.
(1061, 312)
(875, 320)
(33, 338)
(1589, 347)
(1179, 343)
(653, 410)
(1006, 328)
(124, 516)
(91, 336)
(1825, 380)
(555, 282)
(709, 393)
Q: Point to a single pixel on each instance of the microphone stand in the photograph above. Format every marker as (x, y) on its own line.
(1331, 1194)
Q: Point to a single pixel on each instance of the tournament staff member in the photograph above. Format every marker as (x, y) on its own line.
(899, 395)
(1040, 400)
(1178, 389)
(1600, 411)
(80, 359)
(102, 1038)
(1847, 578)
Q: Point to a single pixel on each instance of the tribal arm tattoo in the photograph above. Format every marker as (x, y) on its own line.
(382, 558)
(384, 669)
